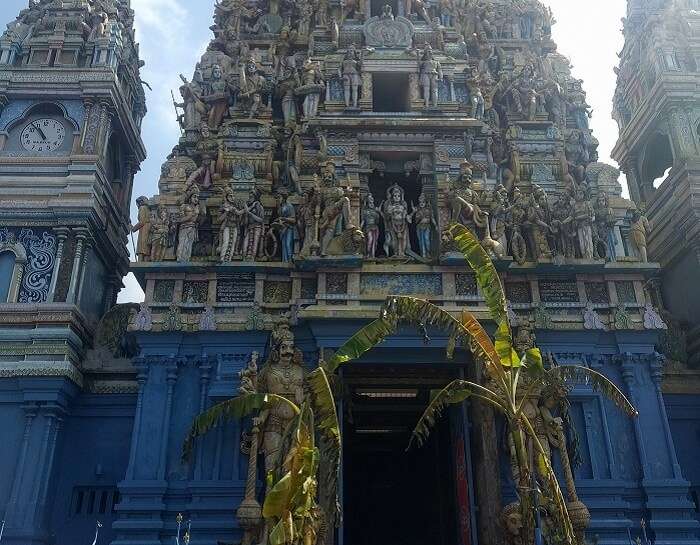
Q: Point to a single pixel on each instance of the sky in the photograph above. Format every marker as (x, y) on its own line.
(173, 34)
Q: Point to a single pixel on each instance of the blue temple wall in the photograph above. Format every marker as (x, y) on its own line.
(130, 444)
(56, 443)
(684, 418)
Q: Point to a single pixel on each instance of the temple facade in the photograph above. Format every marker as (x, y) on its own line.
(326, 146)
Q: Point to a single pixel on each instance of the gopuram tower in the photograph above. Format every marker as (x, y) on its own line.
(657, 108)
(71, 106)
(325, 148)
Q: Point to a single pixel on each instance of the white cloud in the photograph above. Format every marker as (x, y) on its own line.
(131, 292)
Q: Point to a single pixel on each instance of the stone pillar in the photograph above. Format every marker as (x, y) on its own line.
(671, 513)
(74, 288)
(634, 183)
(62, 235)
(204, 378)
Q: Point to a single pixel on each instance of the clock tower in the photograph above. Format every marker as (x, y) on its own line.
(71, 106)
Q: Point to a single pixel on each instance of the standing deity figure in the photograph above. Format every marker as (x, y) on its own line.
(307, 221)
(252, 85)
(536, 228)
(476, 97)
(287, 224)
(430, 76)
(321, 13)
(160, 235)
(306, 13)
(563, 226)
(287, 84)
(396, 219)
(232, 212)
(312, 85)
(143, 248)
(605, 225)
(424, 220)
(188, 223)
(335, 208)
(218, 98)
(194, 107)
(640, 229)
(524, 93)
(584, 216)
(350, 71)
(499, 214)
(282, 375)
(254, 223)
(371, 218)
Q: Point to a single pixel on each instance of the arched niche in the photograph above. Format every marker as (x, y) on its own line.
(13, 259)
(656, 161)
(10, 142)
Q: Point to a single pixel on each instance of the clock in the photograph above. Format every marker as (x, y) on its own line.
(43, 135)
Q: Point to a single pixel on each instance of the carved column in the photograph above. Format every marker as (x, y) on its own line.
(629, 167)
(204, 377)
(74, 287)
(12, 510)
(683, 135)
(62, 235)
(657, 375)
(171, 379)
(141, 377)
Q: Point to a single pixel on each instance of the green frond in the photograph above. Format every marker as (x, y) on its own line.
(232, 409)
(365, 339)
(486, 275)
(577, 374)
(455, 392)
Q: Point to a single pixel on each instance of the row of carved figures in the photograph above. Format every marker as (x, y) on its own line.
(524, 225)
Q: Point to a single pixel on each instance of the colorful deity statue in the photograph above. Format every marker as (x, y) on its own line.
(394, 209)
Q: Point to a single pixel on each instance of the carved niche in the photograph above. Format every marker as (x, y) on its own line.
(388, 32)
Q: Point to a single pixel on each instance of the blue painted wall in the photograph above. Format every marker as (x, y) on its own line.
(82, 449)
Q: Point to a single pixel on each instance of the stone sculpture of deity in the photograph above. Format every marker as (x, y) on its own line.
(160, 235)
(424, 220)
(254, 224)
(430, 76)
(188, 224)
(584, 217)
(640, 230)
(232, 213)
(311, 87)
(335, 208)
(371, 218)
(287, 224)
(283, 375)
(217, 99)
(396, 219)
(350, 71)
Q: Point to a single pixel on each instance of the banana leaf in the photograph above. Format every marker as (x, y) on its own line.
(365, 339)
(486, 275)
(577, 374)
(504, 346)
(232, 409)
(532, 359)
(455, 392)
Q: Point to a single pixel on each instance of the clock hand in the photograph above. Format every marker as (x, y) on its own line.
(43, 136)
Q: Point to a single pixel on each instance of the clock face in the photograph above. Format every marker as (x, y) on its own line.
(43, 135)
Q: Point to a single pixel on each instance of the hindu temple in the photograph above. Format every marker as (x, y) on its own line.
(326, 147)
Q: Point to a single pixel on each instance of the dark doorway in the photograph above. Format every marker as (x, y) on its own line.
(391, 495)
(390, 92)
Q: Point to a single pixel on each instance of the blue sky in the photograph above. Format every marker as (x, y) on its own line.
(174, 33)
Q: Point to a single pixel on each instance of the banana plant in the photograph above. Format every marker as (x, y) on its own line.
(512, 378)
(291, 510)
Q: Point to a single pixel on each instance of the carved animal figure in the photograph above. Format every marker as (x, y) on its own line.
(349, 242)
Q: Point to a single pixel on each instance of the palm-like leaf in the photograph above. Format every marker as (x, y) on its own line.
(231, 409)
(486, 275)
(365, 339)
(577, 374)
(455, 392)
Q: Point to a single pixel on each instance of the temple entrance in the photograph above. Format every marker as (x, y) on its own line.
(392, 496)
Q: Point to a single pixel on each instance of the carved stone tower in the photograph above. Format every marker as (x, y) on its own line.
(657, 107)
(71, 106)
